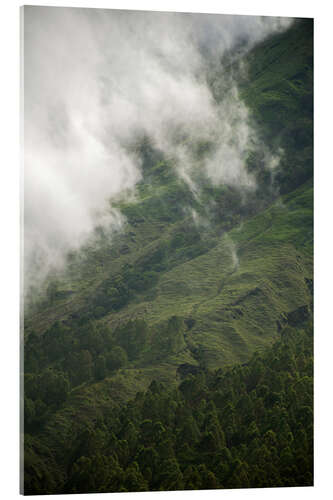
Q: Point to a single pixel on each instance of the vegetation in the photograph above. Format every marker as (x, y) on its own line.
(178, 353)
(246, 426)
(280, 94)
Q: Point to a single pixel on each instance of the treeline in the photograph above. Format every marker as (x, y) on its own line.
(68, 355)
(246, 426)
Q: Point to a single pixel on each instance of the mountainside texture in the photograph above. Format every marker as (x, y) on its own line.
(177, 353)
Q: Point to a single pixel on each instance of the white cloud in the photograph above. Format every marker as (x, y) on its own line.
(95, 78)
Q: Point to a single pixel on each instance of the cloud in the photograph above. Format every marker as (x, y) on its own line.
(93, 80)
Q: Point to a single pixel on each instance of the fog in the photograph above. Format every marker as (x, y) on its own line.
(94, 80)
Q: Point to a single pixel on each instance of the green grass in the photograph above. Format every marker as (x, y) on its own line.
(236, 307)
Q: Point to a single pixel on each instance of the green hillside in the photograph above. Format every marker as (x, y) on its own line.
(195, 304)
(280, 94)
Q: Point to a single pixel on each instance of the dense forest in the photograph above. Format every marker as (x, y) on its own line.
(178, 354)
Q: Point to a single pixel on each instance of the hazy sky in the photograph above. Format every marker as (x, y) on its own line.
(93, 80)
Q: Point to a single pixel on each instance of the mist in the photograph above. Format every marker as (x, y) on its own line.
(96, 79)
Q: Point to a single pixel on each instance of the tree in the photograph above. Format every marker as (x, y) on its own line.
(133, 479)
(116, 358)
(170, 477)
(100, 367)
(53, 387)
(80, 366)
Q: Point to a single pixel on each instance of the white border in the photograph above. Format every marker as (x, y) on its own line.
(9, 210)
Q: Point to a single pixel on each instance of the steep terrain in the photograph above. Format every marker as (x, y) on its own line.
(193, 284)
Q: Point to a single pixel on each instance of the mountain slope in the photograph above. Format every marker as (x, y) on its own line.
(175, 295)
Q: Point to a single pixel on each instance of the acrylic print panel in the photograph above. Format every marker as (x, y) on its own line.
(168, 280)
